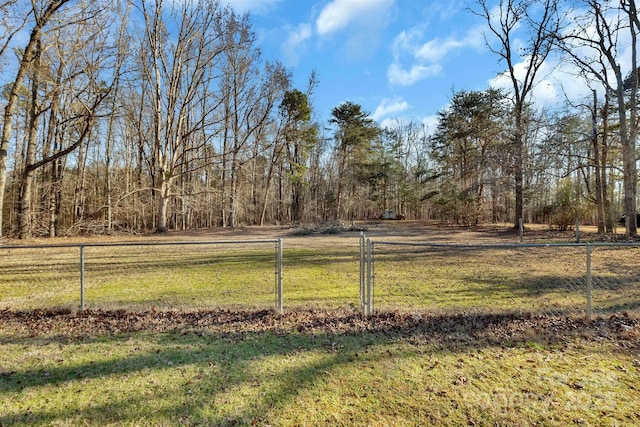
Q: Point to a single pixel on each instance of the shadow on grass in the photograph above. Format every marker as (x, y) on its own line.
(519, 277)
(208, 357)
(190, 399)
(17, 266)
(548, 294)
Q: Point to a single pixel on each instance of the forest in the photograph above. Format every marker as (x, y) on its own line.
(145, 116)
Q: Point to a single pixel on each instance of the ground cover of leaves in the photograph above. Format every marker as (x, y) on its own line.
(314, 367)
(623, 330)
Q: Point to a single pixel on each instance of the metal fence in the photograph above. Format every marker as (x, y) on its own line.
(144, 275)
(578, 279)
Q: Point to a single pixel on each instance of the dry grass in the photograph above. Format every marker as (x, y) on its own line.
(439, 366)
(315, 368)
(321, 270)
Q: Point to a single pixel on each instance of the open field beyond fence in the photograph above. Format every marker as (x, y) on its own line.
(555, 279)
(411, 272)
(188, 334)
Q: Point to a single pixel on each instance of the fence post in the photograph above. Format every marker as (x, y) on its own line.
(363, 263)
(279, 303)
(589, 284)
(82, 277)
(369, 293)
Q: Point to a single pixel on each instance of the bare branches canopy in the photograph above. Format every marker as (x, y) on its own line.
(151, 115)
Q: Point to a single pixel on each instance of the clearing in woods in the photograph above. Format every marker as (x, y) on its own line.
(153, 367)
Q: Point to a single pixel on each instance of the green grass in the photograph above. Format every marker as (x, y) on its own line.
(324, 278)
(489, 280)
(347, 372)
(182, 277)
(146, 367)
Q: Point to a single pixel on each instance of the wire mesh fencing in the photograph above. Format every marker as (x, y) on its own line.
(557, 279)
(179, 275)
(167, 275)
(34, 277)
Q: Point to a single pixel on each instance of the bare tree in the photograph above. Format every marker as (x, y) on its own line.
(592, 42)
(121, 57)
(12, 21)
(540, 20)
(67, 65)
(177, 71)
(30, 150)
(41, 15)
(249, 95)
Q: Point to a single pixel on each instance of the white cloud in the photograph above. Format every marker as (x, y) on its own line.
(406, 41)
(399, 76)
(389, 106)
(335, 16)
(425, 58)
(295, 43)
(546, 92)
(340, 14)
(435, 50)
(555, 83)
(559, 78)
(361, 24)
(430, 123)
(390, 123)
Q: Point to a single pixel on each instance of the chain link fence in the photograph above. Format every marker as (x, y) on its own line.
(557, 279)
(166, 275)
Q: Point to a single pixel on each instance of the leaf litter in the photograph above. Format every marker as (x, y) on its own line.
(511, 329)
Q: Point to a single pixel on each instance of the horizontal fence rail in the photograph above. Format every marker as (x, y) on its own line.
(145, 275)
(583, 279)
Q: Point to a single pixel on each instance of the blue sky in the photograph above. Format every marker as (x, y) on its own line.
(396, 58)
(404, 59)
(399, 59)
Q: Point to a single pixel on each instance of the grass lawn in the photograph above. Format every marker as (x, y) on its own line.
(179, 277)
(487, 279)
(316, 368)
(189, 337)
(323, 272)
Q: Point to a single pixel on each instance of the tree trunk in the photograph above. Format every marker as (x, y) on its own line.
(597, 166)
(518, 170)
(275, 157)
(55, 196)
(163, 209)
(30, 152)
(630, 178)
(631, 162)
(79, 192)
(233, 189)
(12, 98)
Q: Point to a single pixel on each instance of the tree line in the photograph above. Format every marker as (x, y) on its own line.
(145, 115)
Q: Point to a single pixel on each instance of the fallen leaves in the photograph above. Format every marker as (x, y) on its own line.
(457, 329)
